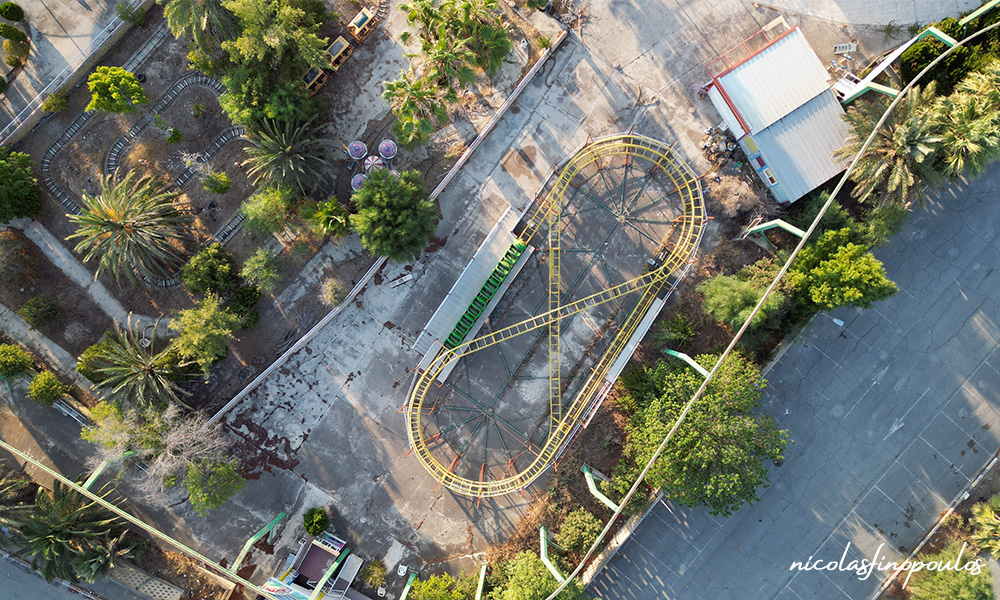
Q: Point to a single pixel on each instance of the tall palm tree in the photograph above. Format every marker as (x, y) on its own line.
(901, 160)
(208, 22)
(984, 85)
(970, 136)
(64, 529)
(288, 154)
(136, 375)
(132, 229)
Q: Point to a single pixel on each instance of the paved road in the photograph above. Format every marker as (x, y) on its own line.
(892, 414)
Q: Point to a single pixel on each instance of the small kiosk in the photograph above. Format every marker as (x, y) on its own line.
(362, 25)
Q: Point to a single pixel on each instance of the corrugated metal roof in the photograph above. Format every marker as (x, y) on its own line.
(772, 84)
(727, 115)
(799, 147)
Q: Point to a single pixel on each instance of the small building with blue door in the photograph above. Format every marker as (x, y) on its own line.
(774, 95)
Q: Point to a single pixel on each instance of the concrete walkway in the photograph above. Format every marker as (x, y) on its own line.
(893, 410)
(61, 257)
(901, 12)
(52, 353)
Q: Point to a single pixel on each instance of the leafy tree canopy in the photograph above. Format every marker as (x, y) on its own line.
(955, 584)
(836, 272)
(716, 457)
(19, 192)
(212, 269)
(395, 218)
(115, 90)
(205, 331)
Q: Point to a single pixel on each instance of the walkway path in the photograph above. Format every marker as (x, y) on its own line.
(52, 353)
(61, 257)
(893, 410)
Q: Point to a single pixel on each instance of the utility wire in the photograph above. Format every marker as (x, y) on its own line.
(760, 303)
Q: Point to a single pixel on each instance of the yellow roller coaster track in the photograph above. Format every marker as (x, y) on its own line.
(686, 237)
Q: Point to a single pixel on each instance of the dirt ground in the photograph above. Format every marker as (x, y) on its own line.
(182, 572)
(80, 321)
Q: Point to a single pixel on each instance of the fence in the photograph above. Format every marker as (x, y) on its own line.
(94, 50)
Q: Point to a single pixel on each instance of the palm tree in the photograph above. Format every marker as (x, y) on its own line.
(416, 102)
(449, 62)
(970, 136)
(131, 228)
(208, 22)
(986, 526)
(138, 375)
(287, 154)
(63, 531)
(984, 85)
(901, 159)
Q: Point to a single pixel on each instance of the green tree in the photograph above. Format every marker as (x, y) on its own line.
(261, 270)
(417, 104)
(288, 154)
(132, 228)
(716, 457)
(579, 530)
(961, 583)
(902, 157)
(39, 311)
(45, 388)
(211, 484)
(525, 577)
(267, 209)
(9, 32)
(115, 90)
(90, 361)
(443, 587)
(204, 332)
(315, 520)
(212, 269)
(55, 102)
(20, 195)
(986, 526)
(13, 360)
(395, 217)
(837, 272)
(216, 182)
(135, 373)
(207, 22)
(273, 31)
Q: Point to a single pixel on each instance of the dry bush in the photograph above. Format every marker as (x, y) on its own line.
(734, 196)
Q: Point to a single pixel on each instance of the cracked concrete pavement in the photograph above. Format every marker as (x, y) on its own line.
(892, 411)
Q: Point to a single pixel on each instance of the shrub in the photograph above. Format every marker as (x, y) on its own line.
(45, 388)
(880, 224)
(245, 301)
(11, 61)
(14, 259)
(802, 213)
(55, 102)
(3, 80)
(90, 361)
(212, 483)
(836, 272)
(330, 293)
(676, 332)
(949, 71)
(964, 581)
(11, 11)
(579, 530)
(316, 521)
(40, 310)
(328, 218)
(374, 574)
(174, 135)
(217, 183)
(13, 360)
(19, 49)
(212, 269)
(734, 196)
(9, 32)
(261, 270)
(267, 210)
